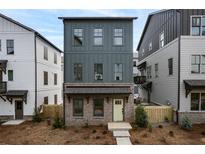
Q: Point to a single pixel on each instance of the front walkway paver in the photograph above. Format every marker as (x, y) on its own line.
(123, 141)
(13, 122)
(121, 133)
(119, 126)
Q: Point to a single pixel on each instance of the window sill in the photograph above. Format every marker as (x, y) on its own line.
(95, 117)
(78, 117)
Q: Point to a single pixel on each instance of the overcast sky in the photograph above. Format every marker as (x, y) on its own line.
(47, 23)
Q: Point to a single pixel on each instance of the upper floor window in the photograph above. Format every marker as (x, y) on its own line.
(98, 36)
(78, 71)
(161, 39)
(149, 72)
(55, 78)
(118, 71)
(0, 45)
(10, 47)
(134, 63)
(45, 78)
(98, 71)
(55, 58)
(170, 66)
(10, 75)
(156, 70)
(118, 37)
(78, 37)
(45, 53)
(150, 46)
(198, 25)
(142, 52)
(197, 64)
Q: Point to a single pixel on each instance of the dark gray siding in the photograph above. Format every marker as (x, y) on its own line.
(165, 21)
(108, 54)
(169, 22)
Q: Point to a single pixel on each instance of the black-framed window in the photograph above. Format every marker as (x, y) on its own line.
(45, 53)
(170, 66)
(10, 47)
(45, 100)
(198, 25)
(98, 71)
(0, 45)
(10, 75)
(55, 58)
(195, 64)
(55, 78)
(55, 99)
(149, 72)
(45, 78)
(78, 71)
(78, 36)
(77, 107)
(118, 36)
(118, 72)
(98, 36)
(98, 107)
(197, 101)
(161, 39)
(134, 63)
(156, 69)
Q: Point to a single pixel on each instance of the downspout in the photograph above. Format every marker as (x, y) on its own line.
(179, 65)
(35, 72)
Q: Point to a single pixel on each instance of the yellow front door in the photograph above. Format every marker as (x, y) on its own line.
(118, 110)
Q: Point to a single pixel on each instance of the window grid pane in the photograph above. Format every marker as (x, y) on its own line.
(98, 107)
(77, 107)
(98, 71)
(195, 101)
(78, 37)
(78, 72)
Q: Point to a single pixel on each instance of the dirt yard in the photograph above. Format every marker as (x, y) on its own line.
(164, 136)
(41, 133)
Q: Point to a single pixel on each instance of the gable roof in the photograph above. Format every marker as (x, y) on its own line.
(31, 30)
(146, 25)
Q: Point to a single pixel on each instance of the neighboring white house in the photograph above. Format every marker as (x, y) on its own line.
(30, 70)
(172, 62)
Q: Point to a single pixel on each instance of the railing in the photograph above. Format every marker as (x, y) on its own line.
(3, 87)
(139, 79)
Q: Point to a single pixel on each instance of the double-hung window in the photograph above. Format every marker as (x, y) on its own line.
(98, 71)
(10, 75)
(149, 72)
(45, 53)
(170, 66)
(98, 37)
(156, 70)
(118, 37)
(55, 58)
(118, 72)
(197, 101)
(197, 25)
(98, 107)
(195, 64)
(78, 37)
(78, 71)
(45, 78)
(10, 47)
(161, 39)
(55, 78)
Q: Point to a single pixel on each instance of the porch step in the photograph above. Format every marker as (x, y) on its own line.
(123, 141)
(13, 122)
(121, 133)
(119, 126)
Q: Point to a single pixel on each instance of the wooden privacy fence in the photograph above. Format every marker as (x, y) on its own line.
(52, 111)
(157, 114)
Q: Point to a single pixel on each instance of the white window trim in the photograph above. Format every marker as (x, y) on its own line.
(201, 16)
(160, 40)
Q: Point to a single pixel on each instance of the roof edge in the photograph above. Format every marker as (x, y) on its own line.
(97, 18)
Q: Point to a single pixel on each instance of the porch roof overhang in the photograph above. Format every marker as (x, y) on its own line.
(193, 84)
(142, 65)
(11, 94)
(3, 65)
(98, 90)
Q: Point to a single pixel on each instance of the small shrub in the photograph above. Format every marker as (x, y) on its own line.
(186, 124)
(149, 127)
(48, 122)
(160, 126)
(58, 123)
(166, 119)
(171, 133)
(36, 116)
(141, 118)
(94, 131)
(203, 133)
(86, 125)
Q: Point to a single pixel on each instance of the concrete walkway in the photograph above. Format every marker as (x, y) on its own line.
(13, 122)
(120, 132)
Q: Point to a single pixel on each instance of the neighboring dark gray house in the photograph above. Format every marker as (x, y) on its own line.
(98, 74)
(172, 58)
